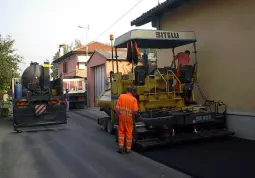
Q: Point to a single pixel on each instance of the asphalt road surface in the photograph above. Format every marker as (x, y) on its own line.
(79, 150)
(227, 158)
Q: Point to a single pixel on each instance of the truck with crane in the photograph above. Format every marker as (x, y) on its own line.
(37, 101)
(168, 110)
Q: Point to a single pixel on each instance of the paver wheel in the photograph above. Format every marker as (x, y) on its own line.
(104, 125)
(109, 126)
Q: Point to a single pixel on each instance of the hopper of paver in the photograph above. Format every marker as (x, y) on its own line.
(104, 102)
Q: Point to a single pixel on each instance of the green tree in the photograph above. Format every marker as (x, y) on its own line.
(68, 48)
(54, 67)
(9, 62)
(149, 50)
(77, 43)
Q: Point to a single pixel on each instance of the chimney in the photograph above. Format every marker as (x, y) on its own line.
(61, 50)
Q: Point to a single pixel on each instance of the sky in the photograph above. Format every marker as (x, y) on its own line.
(39, 26)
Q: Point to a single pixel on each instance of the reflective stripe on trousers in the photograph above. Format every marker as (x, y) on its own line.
(125, 130)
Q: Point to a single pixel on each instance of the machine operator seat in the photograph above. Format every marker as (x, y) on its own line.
(186, 73)
(140, 75)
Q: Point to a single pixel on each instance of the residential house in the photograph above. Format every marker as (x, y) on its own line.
(99, 66)
(225, 46)
(74, 62)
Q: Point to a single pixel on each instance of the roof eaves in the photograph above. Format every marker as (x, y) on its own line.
(95, 51)
(108, 56)
(83, 46)
(156, 11)
(69, 54)
(101, 53)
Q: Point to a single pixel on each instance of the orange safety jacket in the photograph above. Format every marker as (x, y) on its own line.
(133, 52)
(127, 105)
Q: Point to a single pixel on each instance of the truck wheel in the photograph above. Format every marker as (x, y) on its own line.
(109, 126)
(17, 130)
(78, 106)
(104, 125)
(82, 106)
(133, 144)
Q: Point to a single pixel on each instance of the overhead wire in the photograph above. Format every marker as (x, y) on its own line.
(118, 19)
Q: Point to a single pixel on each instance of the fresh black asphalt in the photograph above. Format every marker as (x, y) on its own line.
(225, 158)
(79, 150)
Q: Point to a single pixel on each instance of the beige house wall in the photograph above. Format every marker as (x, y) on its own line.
(225, 31)
(124, 67)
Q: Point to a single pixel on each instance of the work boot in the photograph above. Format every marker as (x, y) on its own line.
(120, 150)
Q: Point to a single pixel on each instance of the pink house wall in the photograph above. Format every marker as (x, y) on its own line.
(94, 61)
(60, 68)
(72, 68)
(97, 60)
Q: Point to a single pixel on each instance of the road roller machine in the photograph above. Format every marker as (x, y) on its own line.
(37, 101)
(168, 110)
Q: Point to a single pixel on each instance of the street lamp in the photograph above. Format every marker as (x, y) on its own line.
(112, 38)
(87, 54)
(87, 48)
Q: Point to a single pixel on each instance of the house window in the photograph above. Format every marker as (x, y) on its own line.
(65, 67)
(81, 65)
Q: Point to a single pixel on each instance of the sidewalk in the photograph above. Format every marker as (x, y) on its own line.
(92, 112)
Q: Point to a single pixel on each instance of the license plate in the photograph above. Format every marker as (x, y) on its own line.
(204, 118)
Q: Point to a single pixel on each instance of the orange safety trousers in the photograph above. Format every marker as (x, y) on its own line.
(126, 107)
(125, 131)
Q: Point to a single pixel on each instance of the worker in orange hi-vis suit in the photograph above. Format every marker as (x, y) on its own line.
(126, 109)
(183, 59)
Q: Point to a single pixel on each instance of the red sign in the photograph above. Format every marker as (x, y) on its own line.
(72, 87)
(65, 85)
(79, 83)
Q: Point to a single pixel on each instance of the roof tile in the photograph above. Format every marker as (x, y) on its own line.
(96, 46)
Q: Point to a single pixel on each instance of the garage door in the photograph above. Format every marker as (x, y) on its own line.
(99, 80)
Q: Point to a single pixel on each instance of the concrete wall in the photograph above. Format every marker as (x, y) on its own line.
(94, 61)
(123, 67)
(81, 72)
(225, 34)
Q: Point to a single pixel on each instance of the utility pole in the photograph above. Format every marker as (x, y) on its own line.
(87, 56)
(112, 38)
